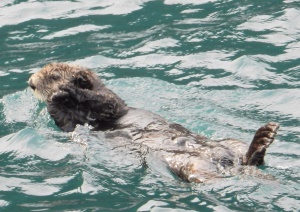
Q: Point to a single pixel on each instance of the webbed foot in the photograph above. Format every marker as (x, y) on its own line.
(264, 136)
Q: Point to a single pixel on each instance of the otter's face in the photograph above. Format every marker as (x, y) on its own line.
(48, 80)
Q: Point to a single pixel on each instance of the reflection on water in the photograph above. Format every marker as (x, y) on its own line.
(220, 68)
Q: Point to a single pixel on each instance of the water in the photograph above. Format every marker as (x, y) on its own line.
(220, 68)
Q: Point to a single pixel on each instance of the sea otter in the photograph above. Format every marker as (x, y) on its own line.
(75, 95)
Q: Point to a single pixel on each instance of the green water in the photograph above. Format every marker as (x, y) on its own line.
(220, 68)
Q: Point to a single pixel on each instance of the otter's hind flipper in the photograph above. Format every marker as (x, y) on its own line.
(264, 136)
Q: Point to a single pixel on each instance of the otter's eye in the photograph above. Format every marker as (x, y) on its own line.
(55, 77)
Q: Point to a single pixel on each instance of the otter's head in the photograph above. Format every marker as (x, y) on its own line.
(47, 81)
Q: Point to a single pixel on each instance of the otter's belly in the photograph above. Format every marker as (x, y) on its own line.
(138, 118)
(192, 157)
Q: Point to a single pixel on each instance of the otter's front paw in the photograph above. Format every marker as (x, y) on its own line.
(61, 100)
(59, 96)
(69, 88)
(80, 95)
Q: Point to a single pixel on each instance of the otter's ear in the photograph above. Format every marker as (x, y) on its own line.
(82, 81)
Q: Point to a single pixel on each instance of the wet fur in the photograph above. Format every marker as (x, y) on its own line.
(75, 95)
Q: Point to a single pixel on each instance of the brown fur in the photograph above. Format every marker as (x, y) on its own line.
(47, 81)
(74, 95)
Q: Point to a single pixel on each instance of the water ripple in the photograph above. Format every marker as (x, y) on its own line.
(220, 68)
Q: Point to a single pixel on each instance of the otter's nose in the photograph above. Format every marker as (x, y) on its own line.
(31, 84)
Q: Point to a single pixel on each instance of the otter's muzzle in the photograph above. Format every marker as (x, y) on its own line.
(30, 83)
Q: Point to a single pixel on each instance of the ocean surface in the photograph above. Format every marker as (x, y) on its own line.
(219, 68)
